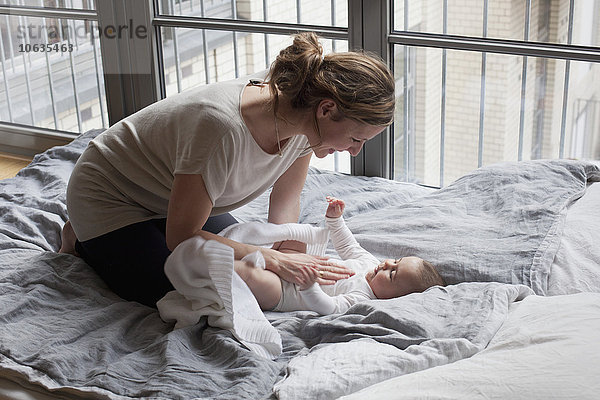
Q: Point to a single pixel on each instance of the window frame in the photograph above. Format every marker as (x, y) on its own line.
(563, 51)
(27, 140)
(143, 89)
(370, 27)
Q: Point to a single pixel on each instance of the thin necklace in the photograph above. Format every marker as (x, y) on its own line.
(259, 82)
(277, 133)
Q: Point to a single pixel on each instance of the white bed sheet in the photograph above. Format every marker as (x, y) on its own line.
(548, 348)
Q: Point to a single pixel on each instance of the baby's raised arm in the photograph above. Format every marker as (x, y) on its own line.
(335, 209)
(343, 241)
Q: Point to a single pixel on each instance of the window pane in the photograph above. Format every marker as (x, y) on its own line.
(441, 115)
(582, 138)
(74, 4)
(313, 12)
(229, 55)
(548, 19)
(51, 74)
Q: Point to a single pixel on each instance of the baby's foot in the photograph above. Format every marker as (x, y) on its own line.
(68, 239)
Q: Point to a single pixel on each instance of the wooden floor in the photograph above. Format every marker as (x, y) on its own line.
(10, 165)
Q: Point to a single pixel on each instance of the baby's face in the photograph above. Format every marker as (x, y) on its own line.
(395, 278)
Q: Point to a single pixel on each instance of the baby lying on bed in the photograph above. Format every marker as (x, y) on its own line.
(373, 279)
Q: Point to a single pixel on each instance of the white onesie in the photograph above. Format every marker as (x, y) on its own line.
(333, 299)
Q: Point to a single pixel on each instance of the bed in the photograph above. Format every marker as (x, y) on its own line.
(520, 317)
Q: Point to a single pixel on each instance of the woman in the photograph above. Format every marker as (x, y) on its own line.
(176, 168)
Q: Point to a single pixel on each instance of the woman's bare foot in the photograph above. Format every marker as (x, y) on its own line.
(68, 239)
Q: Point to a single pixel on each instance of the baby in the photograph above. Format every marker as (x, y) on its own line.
(372, 279)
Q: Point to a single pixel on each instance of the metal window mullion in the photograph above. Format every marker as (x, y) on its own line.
(524, 82)
(10, 43)
(177, 60)
(27, 79)
(236, 61)
(60, 35)
(298, 12)
(98, 81)
(333, 23)
(498, 46)
(276, 28)
(368, 27)
(575, 115)
(27, 38)
(563, 127)
(74, 82)
(443, 100)
(405, 110)
(175, 49)
(6, 88)
(74, 29)
(58, 13)
(482, 95)
(159, 60)
(336, 156)
(266, 37)
(205, 46)
(49, 70)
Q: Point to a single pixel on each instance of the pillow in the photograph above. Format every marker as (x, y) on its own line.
(547, 348)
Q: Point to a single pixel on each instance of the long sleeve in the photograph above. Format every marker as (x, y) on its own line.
(317, 300)
(344, 243)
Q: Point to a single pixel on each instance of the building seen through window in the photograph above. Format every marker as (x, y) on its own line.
(456, 109)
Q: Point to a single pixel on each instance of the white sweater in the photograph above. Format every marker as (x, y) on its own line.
(333, 299)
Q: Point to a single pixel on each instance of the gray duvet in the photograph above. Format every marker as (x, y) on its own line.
(63, 330)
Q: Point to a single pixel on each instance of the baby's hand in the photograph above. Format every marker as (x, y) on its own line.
(335, 208)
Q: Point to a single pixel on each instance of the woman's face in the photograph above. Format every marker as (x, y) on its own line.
(343, 135)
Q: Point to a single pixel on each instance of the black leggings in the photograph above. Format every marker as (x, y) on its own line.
(131, 259)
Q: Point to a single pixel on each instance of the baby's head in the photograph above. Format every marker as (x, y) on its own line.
(395, 278)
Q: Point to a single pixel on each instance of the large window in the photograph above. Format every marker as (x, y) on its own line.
(194, 55)
(51, 75)
(493, 80)
(478, 81)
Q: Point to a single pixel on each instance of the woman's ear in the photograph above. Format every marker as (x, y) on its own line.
(327, 108)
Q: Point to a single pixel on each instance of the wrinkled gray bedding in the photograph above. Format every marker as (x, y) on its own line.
(63, 330)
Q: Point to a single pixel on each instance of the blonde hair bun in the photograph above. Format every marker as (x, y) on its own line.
(360, 83)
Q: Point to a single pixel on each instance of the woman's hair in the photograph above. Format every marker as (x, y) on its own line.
(360, 84)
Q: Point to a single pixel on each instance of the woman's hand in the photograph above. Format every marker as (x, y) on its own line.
(304, 269)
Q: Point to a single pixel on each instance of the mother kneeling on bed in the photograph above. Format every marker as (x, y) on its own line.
(176, 168)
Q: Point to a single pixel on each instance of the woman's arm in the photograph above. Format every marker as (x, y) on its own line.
(284, 207)
(190, 207)
(284, 202)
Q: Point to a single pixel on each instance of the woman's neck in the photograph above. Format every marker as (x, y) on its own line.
(258, 114)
